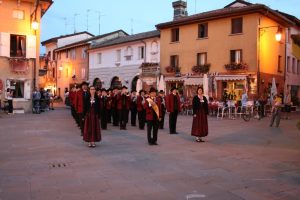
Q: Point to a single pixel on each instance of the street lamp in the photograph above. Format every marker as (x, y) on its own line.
(278, 34)
(35, 25)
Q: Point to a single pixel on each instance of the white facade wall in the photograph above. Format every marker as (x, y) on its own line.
(71, 39)
(292, 77)
(125, 70)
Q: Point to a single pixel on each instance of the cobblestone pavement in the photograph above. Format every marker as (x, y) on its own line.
(42, 157)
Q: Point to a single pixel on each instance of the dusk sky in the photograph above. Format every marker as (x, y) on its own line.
(133, 16)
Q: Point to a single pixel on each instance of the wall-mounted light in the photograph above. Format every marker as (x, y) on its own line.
(35, 25)
(60, 68)
(278, 34)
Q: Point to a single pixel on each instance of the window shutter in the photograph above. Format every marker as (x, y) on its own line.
(5, 44)
(31, 46)
(27, 92)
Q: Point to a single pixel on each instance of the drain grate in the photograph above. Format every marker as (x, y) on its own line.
(57, 165)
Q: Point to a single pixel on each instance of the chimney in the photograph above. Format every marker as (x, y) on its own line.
(179, 9)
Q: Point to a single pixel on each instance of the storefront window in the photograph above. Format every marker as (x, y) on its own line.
(18, 88)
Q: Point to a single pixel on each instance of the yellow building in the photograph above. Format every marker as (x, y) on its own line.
(19, 48)
(235, 46)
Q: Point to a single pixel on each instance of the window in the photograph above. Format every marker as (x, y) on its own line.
(298, 67)
(236, 56)
(83, 53)
(237, 25)
(203, 30)
(201, 58)
(53, 55)
(99, 58)
(128, 53)
(18, 14)
(59, 55)
(175, 35)
(154, 47)
(279, 64)
(141, 50)
(53, 72)
(18, 88)
(174, 61)
(288, 63)
(67, 54)
(74, 72)
(73, 54)
(294, 65)
(17, 46)
(118, 56)
(83, 75)
(67, 72)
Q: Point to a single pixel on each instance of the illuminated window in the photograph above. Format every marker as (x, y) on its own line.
(18, 14)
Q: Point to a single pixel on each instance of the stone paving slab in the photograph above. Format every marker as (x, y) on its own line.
(44, 157)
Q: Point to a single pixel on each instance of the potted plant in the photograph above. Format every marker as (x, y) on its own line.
(236, 66)
(170, 69)
(201, 69)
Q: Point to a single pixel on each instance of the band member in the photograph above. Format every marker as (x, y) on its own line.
(92, 132)
(72, 96)
(200, 112)
(81, 95)
(140, 101)
(123, 105)
(162, 100)
(109, 94)
(114, 109)
(153, 115)
(133, 109)
(104, 101)
(173, 107)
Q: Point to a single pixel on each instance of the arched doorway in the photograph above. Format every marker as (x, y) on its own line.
(115, 82)
(133, 83)
(97, 83)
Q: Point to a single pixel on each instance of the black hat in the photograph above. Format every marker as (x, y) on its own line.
(115, 88)
(152, 90)
(173, 88)
(84, 83)
(133, 91)
(124, 87)
(103, 90)
(161, 91)
(141, 91)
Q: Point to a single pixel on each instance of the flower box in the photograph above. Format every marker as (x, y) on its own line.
(201, 69)
(236, 66)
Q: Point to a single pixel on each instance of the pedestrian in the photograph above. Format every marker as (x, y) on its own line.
(287, 104)
(162, 100)
(36, 97)
(276, 110)
(81, 97)
(123, 106)
(153, 115)
(92, 132)
(9, 98)
(173, 107)
(133, 108)
(114, 109)
(109, 94)
(103, 108)
(200, 112)
(140, 101)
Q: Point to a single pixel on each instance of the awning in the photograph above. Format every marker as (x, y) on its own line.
(174, 79)
(193, 81)
(231, 77)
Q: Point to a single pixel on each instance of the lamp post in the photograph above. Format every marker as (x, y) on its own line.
(278, 37)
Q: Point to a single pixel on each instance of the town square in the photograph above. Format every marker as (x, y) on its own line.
(112, 100)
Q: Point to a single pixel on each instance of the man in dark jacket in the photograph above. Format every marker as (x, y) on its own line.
(173, 107)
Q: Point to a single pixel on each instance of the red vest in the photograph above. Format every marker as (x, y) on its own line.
(120, 102)
(150, 112)
(170, 103)
(139, 104)
(79, 101)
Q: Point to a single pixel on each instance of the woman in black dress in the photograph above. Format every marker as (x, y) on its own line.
(91, 133)
(200, 111)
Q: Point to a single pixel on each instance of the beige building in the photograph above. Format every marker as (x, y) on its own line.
(235, 46)
(19, 48)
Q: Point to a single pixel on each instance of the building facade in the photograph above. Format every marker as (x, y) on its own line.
(52, 63)
(19, 48)
(232, 45)
(124, 60)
